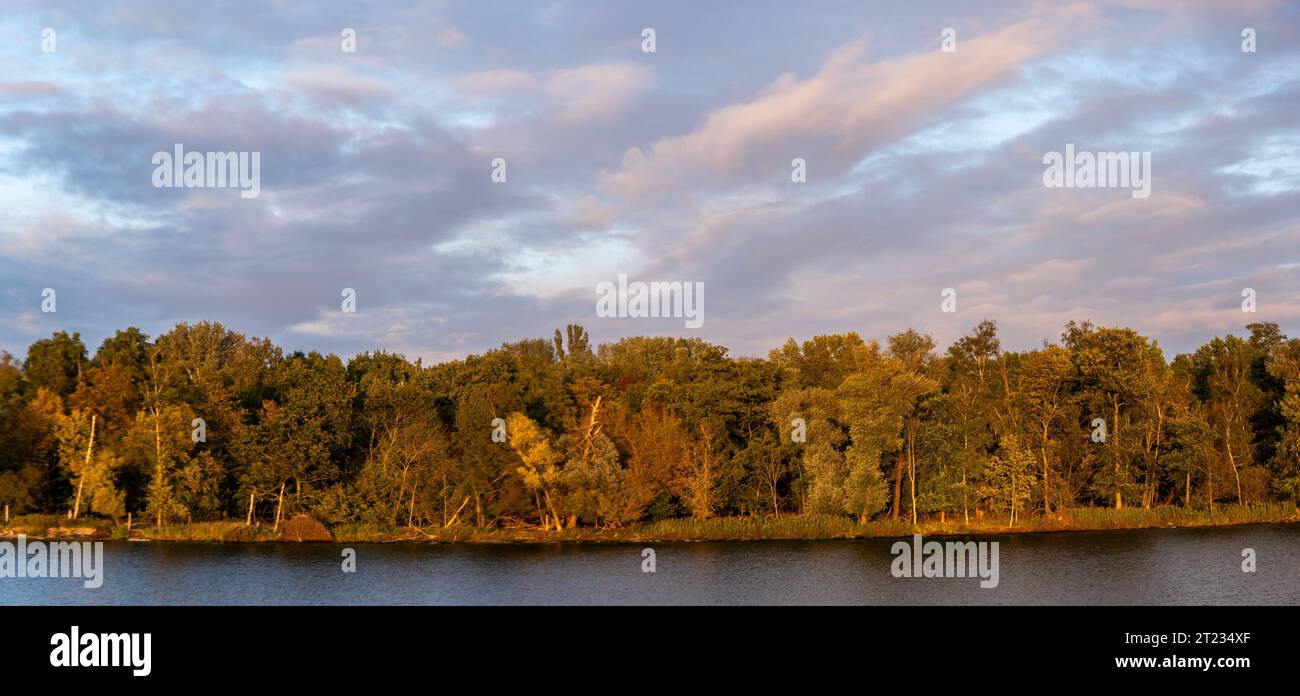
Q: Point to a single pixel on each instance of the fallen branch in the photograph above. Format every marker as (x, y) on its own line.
(456, 516)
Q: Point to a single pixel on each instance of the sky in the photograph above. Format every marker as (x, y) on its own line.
(924, 168)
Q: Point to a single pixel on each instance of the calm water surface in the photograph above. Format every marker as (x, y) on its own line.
(1165, 566)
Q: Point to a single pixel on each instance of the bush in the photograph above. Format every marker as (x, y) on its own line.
(304, 528)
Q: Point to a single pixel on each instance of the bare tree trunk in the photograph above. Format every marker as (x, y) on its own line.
(1011, 519)
(559, 526)
(456, 516)
(278, 506)
(1155, 458)
(1042, 449)
(81, 480)
(1114, 435)
(158, 470)
(965, 508)
(1227, 442)
(1209, 484)
(898, 485)
(401, 496)
(773, 480)
(911, 469)
(249, 521)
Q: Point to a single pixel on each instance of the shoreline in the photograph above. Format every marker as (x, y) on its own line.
(770, 528)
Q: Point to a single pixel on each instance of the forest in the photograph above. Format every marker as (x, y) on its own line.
(204, 423)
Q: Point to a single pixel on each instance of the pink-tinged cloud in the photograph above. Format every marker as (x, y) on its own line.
(1220, 6)
(30, 88)
(588, 213)
(578, 95)
(1052, 270)
(837, 116)
(334, 84)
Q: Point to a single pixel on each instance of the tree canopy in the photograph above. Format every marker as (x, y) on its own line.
(205, 423)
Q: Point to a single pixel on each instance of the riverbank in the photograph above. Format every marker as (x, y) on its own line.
(786, 527)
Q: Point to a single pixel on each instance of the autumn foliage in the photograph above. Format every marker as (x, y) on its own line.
(203, 423)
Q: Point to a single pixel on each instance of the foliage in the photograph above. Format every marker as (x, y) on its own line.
(557, 435)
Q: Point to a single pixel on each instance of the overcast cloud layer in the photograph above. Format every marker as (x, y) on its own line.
(924, 168)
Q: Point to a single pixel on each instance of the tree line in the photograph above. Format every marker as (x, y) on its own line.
(203, 423)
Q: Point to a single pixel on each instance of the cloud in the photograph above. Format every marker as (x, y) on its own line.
(336, 84)
(1052, 270)
(29, 89)
(573, 95)
(835, 117)
(924, 170)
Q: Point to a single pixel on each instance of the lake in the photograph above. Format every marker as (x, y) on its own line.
(1158, 566)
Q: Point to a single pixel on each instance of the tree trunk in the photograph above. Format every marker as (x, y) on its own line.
(965, 445)
(1114, 435)
(1233, 461)
(1209, 484)
(898, 485)
(158, 468)
(1155, 458)
(81, 480)
(559, 525)
(278, 506)
(965, 509)
(249, 521)
(911, 470)
(410, 511)
(776, 503)
(1042, 449)
(1012, 521)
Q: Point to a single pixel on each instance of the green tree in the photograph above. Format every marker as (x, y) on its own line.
(875, 402)
(1046, 378)
(55, 363)
(1114, 379)
(1010, 478)
(1223, 383)
(540, 465)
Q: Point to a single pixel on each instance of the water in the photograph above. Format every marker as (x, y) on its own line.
(1164, 566)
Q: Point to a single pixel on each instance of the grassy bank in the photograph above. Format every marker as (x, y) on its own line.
(717, 529)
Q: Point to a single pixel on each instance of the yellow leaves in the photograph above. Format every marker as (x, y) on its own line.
(535, 450)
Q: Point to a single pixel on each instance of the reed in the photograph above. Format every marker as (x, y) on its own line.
(792, 526)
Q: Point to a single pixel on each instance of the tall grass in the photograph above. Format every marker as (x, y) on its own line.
(226, 530)
(811, 526)
(803, 526)
(40, 524)
(1110, 518)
